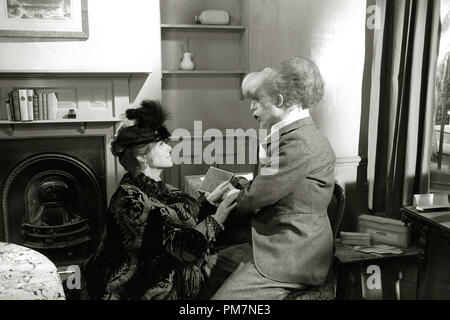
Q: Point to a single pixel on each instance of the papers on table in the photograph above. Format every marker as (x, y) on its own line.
(430, 201)
(379, 249)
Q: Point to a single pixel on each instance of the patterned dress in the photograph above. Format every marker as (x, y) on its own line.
(155, 241)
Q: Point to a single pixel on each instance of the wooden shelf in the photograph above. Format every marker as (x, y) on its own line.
(47, 74)
(81, 123)
(203, 26)
(168, 72)
(59, 121)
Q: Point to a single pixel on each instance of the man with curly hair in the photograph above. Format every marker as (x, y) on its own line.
(291, 243)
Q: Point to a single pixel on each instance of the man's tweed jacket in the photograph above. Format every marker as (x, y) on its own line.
(291, 233)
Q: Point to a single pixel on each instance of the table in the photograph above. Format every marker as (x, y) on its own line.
(350, 264)
(428, 222)
(26, 274)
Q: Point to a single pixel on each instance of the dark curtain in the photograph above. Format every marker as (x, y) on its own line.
(405, 51)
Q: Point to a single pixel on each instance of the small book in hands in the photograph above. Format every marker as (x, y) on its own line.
(213, 178)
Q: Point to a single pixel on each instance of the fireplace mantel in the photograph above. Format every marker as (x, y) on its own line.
(59, 148)
(105, 129)
(99, 98)
(9, 127)
(93, 94)
(46, 74)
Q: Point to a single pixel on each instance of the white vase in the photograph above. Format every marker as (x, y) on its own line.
(186, 62)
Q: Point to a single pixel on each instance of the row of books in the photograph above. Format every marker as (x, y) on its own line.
(29, 105)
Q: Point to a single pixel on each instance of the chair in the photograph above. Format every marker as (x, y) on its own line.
(327, 291)
(336, 209)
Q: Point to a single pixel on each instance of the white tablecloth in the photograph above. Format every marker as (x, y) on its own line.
(26, 274)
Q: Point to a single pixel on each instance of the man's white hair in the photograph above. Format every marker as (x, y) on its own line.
(257, 80)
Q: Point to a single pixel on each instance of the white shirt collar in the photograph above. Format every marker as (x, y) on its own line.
(291, 117)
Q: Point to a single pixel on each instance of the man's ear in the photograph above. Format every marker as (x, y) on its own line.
(279, 100)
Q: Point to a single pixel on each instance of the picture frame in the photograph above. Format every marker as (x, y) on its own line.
(63, 19)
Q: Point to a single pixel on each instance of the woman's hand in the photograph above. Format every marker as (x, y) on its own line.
(231, 190)
(216, 196)
(225, 207)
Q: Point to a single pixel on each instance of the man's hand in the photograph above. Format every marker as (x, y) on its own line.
(225, 207)
(216, 196)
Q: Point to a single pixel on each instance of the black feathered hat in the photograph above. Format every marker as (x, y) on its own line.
(149, 127)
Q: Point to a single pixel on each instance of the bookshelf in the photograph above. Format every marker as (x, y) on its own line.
(192, 72)
(211, 93)
(220, 58)
(200, 26)
(215, 48)
(33, 122)
(9, 127)
(72, 74)
(94, 95)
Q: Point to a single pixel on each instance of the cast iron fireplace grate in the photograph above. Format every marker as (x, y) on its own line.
(53, 220)
(53, 202)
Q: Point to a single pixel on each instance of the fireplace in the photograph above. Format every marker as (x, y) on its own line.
(54, 215)
(57, 176)
(53, 195)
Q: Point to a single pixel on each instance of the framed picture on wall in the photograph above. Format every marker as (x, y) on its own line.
(67, 19)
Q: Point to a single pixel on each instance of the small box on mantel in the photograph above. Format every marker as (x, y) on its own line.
(385, 230)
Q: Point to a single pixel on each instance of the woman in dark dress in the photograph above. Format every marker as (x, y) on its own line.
(156, 237)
